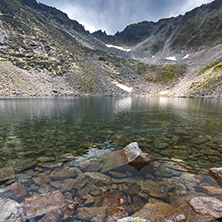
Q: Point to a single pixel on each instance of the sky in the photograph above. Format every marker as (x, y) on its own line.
(114, 15)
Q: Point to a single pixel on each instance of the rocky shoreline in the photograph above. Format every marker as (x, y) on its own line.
(105, 185)
(16, 82)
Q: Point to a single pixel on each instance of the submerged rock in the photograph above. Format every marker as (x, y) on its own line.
(20, 165)
(135, 157)
(6, 173)
(16, 191)
(216, 173)
(58, 174)
(132, 219)
(161, 212)
(91, 213)
(44, 204)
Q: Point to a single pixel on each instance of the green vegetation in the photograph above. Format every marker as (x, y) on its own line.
(162, 74)
(88, 79)
(209, 83)
(211, 65)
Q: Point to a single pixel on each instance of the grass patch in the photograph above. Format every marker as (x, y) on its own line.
(211, 65)
(161, 74)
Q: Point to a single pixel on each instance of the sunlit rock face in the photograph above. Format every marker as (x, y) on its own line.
(135, 157)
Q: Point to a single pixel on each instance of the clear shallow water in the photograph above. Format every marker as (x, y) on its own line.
(187, 130)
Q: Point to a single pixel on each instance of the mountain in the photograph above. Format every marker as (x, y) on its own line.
(43, 52)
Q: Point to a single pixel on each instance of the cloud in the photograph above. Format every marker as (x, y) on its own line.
(114, 15)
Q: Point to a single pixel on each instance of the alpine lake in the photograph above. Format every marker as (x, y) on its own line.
(41, 135)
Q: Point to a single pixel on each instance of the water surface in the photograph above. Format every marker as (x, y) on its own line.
(179, 128)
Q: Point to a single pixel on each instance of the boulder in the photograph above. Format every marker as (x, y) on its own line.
(216, 173)
(182, 203)
(9, 208)
(112, 161)
(43, 204)
(207, 206)
(161, 212)
(135, 157)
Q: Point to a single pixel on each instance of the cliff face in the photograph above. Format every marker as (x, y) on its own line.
(41, 42)
(198, 28)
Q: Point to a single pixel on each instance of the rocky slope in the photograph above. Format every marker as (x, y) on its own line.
(44, 53)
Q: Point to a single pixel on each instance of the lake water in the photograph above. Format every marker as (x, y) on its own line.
(44, 137)
(186, 129)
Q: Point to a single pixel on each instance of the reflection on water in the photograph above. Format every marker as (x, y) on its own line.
(62, 146)
(188, 129)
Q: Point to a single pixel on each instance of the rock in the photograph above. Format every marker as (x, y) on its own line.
(169, 169)
(135, 157)
(199, 140)
(90, 166)
(116, 207)
(96, 192)
(182, 203)
(59, 214)
(80, 182)
(41, 179)
(20, 165)
(190, 181)
(65, 185)
(112, 160)
(85, 190)
(70, 209)
(98, 201)
(49, 164)
(46, 159)
(132, 190)
(6, 173)
(161, 212)
(132, 219)
(44, 188)
(8, 209)
(62, 174)
(43, 204)
(207, 206)
(155, 189)
(216, 173)
(89, 200)
(180, 188)
(16, 191)
(53, 215)
(117, 174)
(91, 214)
(99, 177)
(211, 190)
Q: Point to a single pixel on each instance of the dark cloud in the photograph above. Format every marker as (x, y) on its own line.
(114, 15)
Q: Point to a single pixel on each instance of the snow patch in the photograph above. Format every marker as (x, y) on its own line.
(121, 86)
(118, 47)
(164, 92)
(172, 58)
(186, 56)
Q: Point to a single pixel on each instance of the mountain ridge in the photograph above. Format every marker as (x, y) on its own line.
(37, 38)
